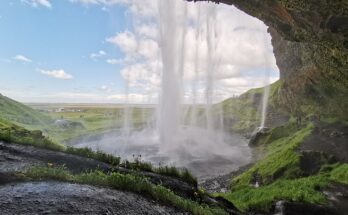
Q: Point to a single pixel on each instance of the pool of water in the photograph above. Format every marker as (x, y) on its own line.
(206, 154)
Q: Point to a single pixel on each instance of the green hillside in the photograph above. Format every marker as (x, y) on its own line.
(245, 111)
(21, 114)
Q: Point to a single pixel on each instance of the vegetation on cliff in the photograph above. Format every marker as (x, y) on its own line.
(280, 175)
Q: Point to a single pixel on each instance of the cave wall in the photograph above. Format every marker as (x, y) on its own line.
(310, 43)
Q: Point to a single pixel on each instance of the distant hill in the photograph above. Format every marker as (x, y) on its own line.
(18, 113)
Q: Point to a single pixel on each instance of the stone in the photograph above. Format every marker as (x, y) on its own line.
(294, 208)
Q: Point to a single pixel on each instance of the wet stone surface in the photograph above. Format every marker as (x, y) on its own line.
(66, 198)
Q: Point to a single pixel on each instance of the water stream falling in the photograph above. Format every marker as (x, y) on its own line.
(266, 88)
(186, 131)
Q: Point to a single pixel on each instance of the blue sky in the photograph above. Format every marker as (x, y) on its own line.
(59, 38)
(58, 50)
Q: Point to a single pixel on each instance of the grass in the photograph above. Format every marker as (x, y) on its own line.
(12, 133)
(85, 119)
(98, 155)
(182, 174)
(245, 110)
(340, 174)
(281, 175)
(282, 160)
(262, 198)
(125, 182)
(95, 119)
(14, 111)
(306, 189)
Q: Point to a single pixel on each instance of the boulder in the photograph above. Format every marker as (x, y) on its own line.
(257, 135)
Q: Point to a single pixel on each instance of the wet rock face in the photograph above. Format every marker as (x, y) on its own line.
(257, 135)
(312, 161)
(310, 41)
(67, 198)
(292, 208)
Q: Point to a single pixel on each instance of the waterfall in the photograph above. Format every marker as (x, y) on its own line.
(126, 119)
(171, 86)
(211, 46)
(266, 88)
(193, 109)
(186, 128)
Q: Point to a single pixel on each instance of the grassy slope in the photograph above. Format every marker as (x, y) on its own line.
(21, 114)
(246, 109)
(13, 133)
(94, 120)
(281, 175)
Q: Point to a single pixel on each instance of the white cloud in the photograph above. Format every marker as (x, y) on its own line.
(135, 48)
(104, 87)
(132, 98)
(99, 54)
(126, 41)
(113, 61)
(59, 74)
(36, 3)
(22, 58)
(103, 3)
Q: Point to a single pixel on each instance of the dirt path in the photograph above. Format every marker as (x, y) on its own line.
(66, 198)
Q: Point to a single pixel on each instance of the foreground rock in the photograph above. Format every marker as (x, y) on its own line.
(294, 208)
(14, 158)
(66, 198)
